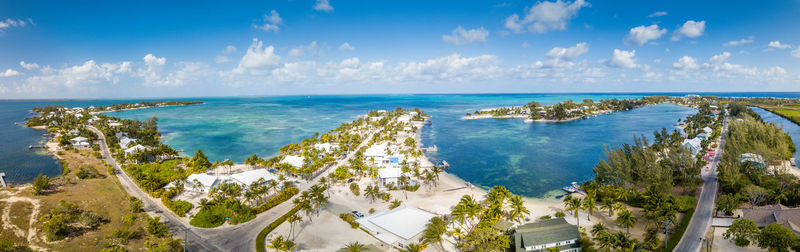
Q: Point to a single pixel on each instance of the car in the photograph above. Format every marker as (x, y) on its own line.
(357, 214)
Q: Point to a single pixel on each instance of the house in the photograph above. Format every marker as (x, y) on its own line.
(389, 175)
(376, 152)
(74, 132)
(80, 142)
(326, 147)
(708, 130)
(763, 216)
(114, 124)
(398, 227)
(544, 234)
(694, 144)
(200, 182)
(752, 158)
(404, 118)
(584, 107)
(703, 136)
(292, 160)
(247, 178)
(125, 141)
(135, 149)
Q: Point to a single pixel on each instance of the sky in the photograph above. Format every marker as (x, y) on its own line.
(115, 49)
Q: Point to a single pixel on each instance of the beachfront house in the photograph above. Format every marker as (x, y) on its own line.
(703, 136)
(80, 142)
(708, 130)
(125, 141)
(200, 182)
(135, 149)
(763, 216)
(326, 147)
(389, 176)
(247, 178)
(545, 234)
(114, 124)
(398, 227)
(295, 161)
(694, 144)
(753, 159)
(377, 153)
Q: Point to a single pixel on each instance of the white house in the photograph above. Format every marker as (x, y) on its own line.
(292, 160)
(389, 175)
(114, 124)
(376, 152)
(125, 141)
(708, 130)
(404, 118)
(135, 149)
(694, 144)
(703, 136)
(80, 142)
(73, 132)
(206, 182)
(326, 147)
(398, 227)
(247, 178)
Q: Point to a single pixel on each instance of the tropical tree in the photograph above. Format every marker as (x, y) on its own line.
(776, 237)
(590, 203)
(573, 204)
(626, 219)
(372, 192)
(742, 232)
(598, 229)
(292, 219)
(354, 247)
(412, 247)
(402, 184)
(434, 231)
(518, 209)
(282, 244)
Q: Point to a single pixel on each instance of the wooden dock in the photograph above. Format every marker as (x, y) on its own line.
(36, 147)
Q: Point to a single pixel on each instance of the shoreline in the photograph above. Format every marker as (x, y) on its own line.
(138, 108)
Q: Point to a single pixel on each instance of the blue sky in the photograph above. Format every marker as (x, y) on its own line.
(91, 49)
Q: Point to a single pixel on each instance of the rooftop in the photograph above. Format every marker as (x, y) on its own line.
(544, 232)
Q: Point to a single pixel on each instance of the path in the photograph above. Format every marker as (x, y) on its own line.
(701, 219)
(226, 238)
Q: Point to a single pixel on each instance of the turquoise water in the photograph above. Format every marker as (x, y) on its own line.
(788, 126)
(529, 159)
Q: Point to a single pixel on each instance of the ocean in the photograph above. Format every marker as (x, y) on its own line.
(530, 159)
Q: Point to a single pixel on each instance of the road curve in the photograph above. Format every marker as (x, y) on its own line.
(701, 219)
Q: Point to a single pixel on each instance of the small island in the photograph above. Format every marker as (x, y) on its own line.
(569, 110)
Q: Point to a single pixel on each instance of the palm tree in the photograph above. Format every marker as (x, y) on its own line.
(608, 203)
(626, 219)
(434, 230)
(573, 204)
(518, 209)
(590, 204)
(354, 247)
(598, 229)
(197, 185)
(294, 218)
(412, 247)
(371, 192)
(282, 244)
(402, 184)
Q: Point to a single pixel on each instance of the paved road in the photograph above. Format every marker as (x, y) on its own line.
(226, 238)
(701, 219)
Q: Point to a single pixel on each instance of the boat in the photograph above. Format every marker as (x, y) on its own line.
(528, 120)
(573, 187)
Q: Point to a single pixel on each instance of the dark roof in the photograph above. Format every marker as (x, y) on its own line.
(545, 232)
(763, 216)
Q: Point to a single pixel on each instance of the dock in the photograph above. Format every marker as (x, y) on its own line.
(3, 178)
(36, 147)
(431, 149)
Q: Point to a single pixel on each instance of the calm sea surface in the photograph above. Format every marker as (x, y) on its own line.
(529, 159)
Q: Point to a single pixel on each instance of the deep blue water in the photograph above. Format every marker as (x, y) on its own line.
(530, 159)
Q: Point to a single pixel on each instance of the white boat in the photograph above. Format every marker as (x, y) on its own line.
(528, 120)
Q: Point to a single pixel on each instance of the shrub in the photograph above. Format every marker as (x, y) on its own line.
(395, 204)
(282, 196)
(40, 184)
(546, 217)
(413, 188)
(262, 236)
(349, 219)
(136, 204)
(127, 234)
(87, 172)
(355, 189)
(179, 207)
(560, 214)
(129, 219)
(90, 220)
(684, 203)
(371, 210)
(156, 228)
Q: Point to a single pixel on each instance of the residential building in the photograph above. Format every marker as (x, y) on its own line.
(694, 144)
(763, 216)
(293, 160)
(389, 175)
(398, 227)
(545, 234)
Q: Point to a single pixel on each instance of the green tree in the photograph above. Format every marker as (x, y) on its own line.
(626, 219)
(776, 237)
(590, 203)
(354, 247)
(573, 204)
(41, 183)
(434, 231)
(518, 209)
(742, 232)
(727, 203)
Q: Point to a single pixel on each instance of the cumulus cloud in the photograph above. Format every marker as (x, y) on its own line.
(690, 29)
(743, 41)
(222, 58)
(9, 73)
(796, 53)
(258, 59)
(545, 16)
(779, 45)
(622, 59)
(271, 22)
(229, 49)
(346, 47)
(460, 36)
(559, 56)
(28, 66)
(719, 58)
(686, 63)
(312, 49)
(323, 5)
(641, 34)
(657, 14)
(76, 76)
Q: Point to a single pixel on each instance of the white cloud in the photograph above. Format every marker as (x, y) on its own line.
(657, 14)
(312, 49)
(776, 72)
(779, 45)
(271, 22)
(229, 49)
(690, 29)
(743, 41)
(76, 77)
(545, 16)
(460, 36)
(686, 63)
(622, 59)
(9, 23)
(9, 73)
(323, 5)
(796, 53)
(717, 59)
(258, 59)
(557, 56)
(346, 47)
(153, 69)
(28, 66)
(222, 59)
(641, 34)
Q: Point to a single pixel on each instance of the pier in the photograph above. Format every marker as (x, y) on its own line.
(431, 149)
(36, 147)
(3, 178)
